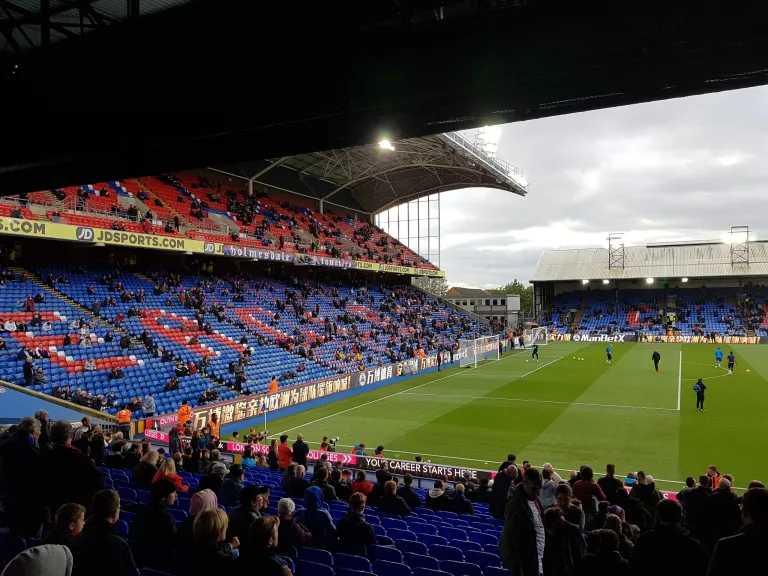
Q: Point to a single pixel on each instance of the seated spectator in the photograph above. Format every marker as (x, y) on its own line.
(408, 494)
(606, 559)
(459, 503)
(262, 548)
(318, 520)
(69, 522)
(361, 484)
(154, 528)
(202, 500)
(291, 533)
(391, 503)
(248, 459)
(353, 531)
(383, 475)
(145, 470)
(436, 498)
(668, 548)
(167, 471)
(241, 518)
(320, 479)
(343, 492)
(288, 475)
(213, 549)
(229, 493)
(100, 548)
(49, 559)
(298, 484)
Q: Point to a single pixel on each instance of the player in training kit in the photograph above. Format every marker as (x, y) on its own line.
(656, 359)
(731, 362)
(718, 358)
(609, 358)
(535, 353)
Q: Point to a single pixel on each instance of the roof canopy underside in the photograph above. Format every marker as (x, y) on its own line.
(369, 179)
(688, 261)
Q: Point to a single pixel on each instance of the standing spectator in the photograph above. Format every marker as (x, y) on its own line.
(743, 553)
(482, 494)
(213, 550)
(635, 512)
(85, 426)
(272, 457)
(697, 506)
(284, 452)
(354, 532)
(240, 518)
(318, 520)
(391, 503)
(300, 451)
(645, 490)
(149, 405)
(229, 493)
(154, 528)
(607, 560)
(100, 548)
(298, 484)
(725, 514)
(570, 506)
(564, 545)
(44, 441)
(291, 533)
(669, 549)
(29, 371)
(614, 522)
(588, 493)
(68, 474)
(548, 487)
(407, 493)
(609, 483)
(288, 475)
(522, 541)
(502, 484)
(98, 446)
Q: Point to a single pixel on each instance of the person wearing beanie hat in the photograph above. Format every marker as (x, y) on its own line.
(229, 493)
(48, 559)
(154, 528)
(203, 500)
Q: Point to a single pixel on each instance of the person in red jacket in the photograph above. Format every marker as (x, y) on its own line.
(284, 453)
(168, 470)
(585, 488)
(361, 484)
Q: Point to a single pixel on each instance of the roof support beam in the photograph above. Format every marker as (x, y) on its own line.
(274, 164)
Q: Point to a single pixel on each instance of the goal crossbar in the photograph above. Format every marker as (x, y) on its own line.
(476, 350)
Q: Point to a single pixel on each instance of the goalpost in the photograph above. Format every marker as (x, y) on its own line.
(538, 335)
(478, 350)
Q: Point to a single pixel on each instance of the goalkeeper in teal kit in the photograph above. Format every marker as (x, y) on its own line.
(535, 352)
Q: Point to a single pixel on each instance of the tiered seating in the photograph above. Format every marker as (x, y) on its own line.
(441, 540)
(697, 312)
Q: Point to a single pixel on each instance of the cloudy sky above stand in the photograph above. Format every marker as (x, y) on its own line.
(685, 169)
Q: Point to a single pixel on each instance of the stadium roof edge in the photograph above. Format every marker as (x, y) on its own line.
(705, 259)
(369, 179)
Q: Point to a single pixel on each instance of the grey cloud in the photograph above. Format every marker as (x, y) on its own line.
(686, 187)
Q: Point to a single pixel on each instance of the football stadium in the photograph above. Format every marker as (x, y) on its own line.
(224, 352)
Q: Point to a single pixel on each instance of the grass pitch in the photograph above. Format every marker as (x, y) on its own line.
(568, 412)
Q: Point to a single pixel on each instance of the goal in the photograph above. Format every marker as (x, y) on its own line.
(478, 350)
(538, 336)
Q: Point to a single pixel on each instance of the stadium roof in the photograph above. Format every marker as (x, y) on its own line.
(371, 178)
(467, 292)
(694, 260)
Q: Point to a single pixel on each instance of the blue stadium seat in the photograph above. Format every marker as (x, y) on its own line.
(385, 568)
(495, 571)
(452, 533)
(350, 562)
(465, 545)
(460, 568)
(482, 538)
(421, 561)
(10, 546)
(390, 523)
(396, 535)
(482, 559)
(429, 572)
(122, 526)
(316, 555)
(410, 546)
(423, 529)
(307, 568)
(384, 541)
(446, 553)
(430, 540)
(385, 553)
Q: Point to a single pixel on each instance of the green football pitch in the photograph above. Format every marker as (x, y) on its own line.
(568, 412)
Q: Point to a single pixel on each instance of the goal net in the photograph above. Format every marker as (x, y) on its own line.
(538, 336)
(478, 350)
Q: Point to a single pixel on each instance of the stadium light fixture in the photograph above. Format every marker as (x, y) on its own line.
(585, 281)
(685, 279)
(606, 281)
(386, 145)
(649, 280)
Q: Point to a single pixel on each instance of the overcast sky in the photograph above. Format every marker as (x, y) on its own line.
(685, 169)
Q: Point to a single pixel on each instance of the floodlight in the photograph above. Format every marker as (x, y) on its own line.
(606, 281)
(585, 281)
(649, 280)
(386, 145)
(685, 279)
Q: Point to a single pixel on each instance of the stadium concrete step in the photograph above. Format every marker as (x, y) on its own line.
(225, 224)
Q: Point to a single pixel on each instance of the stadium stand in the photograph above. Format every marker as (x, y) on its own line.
(200, 330)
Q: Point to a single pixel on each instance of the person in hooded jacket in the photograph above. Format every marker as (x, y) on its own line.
(318, 520)
(353, 531)
(48, 559)
(669, 549)
(436, 499)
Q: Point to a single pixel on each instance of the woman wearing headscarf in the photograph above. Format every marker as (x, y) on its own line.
(203, 500)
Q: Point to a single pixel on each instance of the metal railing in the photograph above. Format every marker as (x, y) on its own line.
(507, 170)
